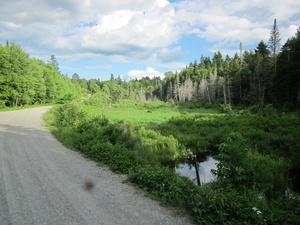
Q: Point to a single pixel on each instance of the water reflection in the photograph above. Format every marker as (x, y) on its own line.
(188, 169)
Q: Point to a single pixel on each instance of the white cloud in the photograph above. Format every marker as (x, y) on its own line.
(290, 32)
(140, 30)
(11, 25)
(169, 55)
(139, 74)
(99, 67)
(231, 22)
(68, 67)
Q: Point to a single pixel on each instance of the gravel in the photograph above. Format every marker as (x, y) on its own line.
(42, 182)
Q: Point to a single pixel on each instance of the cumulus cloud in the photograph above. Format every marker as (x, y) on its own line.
(140, 30)
(139, 74)
(229, 22)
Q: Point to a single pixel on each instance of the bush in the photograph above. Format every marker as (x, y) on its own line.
(2, 104)
(98, 99)
(68, 114)
(123, 160)
(163, 148)
(217, 205)
(226, 109)
(164, 183)
(245, 169)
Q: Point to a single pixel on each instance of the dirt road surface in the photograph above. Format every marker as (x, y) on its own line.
(42, 182)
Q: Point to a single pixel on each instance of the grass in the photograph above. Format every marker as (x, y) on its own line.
(144, 116)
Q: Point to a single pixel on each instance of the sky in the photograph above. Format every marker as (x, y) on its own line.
(138, 38)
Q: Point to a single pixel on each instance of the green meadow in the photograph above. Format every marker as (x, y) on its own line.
(139, 115)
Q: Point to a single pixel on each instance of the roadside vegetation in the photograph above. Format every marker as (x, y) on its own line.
(257, 153)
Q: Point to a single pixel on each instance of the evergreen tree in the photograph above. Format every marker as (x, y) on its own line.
(54, 63)
(287, 81)
(75, 76)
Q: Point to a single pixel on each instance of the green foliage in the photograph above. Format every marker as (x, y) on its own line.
(226, 109)
(99, 99)
(254, 77)
(26, 81)
(252, 173)
(245, 169)
(214, 203)
(68, 115)
(164, 183)
(162, 148)
(2, 104)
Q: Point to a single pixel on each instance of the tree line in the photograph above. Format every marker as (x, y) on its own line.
(263, 76)
(25, 80)
(267, 75)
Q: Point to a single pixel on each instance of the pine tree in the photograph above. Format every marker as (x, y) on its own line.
(287, 82)
(54, 63)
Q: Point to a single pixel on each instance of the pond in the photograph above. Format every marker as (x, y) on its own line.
(204, 167)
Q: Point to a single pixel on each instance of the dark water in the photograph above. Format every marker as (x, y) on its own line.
(205, 166)
(295, 176)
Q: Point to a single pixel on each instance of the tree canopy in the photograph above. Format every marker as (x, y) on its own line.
(25, 80)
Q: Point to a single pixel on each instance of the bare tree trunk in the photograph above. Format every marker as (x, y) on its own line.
(241, 65)
(170, 92)
(224, 92)
(298, 100)
(208, 95)
(263, 96)
(229, 95)
(197, 171)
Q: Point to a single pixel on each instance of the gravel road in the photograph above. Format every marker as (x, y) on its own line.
(42, 182)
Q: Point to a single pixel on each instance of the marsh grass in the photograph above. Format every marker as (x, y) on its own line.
(144, 116)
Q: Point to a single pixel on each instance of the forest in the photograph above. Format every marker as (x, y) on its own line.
(243, 110)
(267, 75)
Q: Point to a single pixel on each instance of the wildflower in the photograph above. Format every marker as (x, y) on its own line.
(256, 210)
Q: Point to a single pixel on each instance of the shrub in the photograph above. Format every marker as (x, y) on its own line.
(68, 114)
(246, 169)
(163, 148)
(98, 99)
(164, 183)
(2, 104)
(226, 108)
(123, 160)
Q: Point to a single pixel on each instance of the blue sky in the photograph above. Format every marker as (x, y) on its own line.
(136, 38)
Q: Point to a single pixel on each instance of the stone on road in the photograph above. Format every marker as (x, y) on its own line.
(42, 182)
